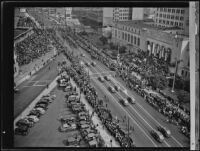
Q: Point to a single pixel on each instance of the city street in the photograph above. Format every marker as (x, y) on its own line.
(147, 117)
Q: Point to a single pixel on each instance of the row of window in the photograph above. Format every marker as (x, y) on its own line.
(171, 16)
(130, 38)
(172, 23)
(172, 10)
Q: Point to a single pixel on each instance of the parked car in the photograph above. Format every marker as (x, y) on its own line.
(25, 122)
(41, 110)
(73, 141)
(44, 106)
(65, 127)
(93, 143)
(157, 135)
(16, 90)
(22, 130)
(34, 118)
(131, 100)
(124, 102)
(90, 136)
(166, 132)
(107, 78)
(111, 89)
(35, 113)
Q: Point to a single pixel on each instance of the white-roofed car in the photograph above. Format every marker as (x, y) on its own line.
(34, 118)
(111, 89)
(117, 88)
(41, 110)
(107, 78)
(157, 135)
(131, 100)
(166, 132)
(101, 79)
(124, 102)
(93, 63)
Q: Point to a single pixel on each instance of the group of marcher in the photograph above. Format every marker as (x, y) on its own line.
(81, 78)
(140, 63)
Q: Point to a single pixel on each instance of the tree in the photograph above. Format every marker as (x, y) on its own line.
(122, 49)
(104, 40)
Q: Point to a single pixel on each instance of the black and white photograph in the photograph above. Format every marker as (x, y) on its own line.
(106, 77)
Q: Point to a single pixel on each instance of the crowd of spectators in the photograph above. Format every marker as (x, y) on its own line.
(26, 22)
(35, 45)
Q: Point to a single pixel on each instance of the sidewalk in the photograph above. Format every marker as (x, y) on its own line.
(32, 67)
(103, 131)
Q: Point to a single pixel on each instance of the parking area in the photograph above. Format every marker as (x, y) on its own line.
(46, 132)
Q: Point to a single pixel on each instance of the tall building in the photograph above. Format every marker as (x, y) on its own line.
(107, 16)
(170, 17)
(122, 14)
(68, 13)
(139, 13)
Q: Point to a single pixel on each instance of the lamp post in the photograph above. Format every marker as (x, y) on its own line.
(175, 67)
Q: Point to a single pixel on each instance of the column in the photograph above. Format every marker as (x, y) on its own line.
(154, 52)
(163, 53)
(160, 52)
(166, 54)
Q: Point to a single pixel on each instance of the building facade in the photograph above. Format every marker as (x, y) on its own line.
(170, 17)
(122, 14)
(166, 46)
(107, 16)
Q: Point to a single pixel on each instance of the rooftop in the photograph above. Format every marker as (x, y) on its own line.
(139, 24)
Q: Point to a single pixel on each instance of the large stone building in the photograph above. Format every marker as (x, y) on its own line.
(170, 17)
(138, 34)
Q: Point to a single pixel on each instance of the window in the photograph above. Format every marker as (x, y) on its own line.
(131, 38)
(134, 40)
(182, 72)
(171, 23)
(178, 11)
(172, 17)
(182, 11)
(177, 18)
(181, 18)
(173, 10)
(161, 9)
(123, 35)
(128, 37)
(138, 41)
(163, 21)
(169, 10)
(167, 22)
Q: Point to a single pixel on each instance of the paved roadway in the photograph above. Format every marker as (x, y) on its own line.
(147, 118)
(32, 87)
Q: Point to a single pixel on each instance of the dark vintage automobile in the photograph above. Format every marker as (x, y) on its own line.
(25, 122)
(22, 130)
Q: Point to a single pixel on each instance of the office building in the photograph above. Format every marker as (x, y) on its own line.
(173, 17)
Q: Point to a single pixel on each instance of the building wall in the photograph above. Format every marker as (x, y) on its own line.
(169, 17)
(138, 13)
